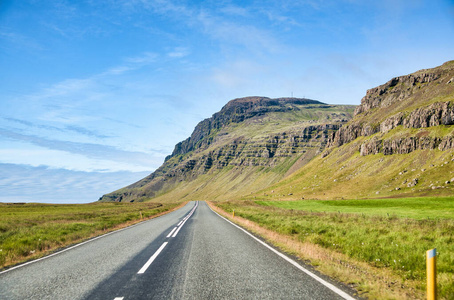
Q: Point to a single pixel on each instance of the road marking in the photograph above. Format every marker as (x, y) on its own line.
(288, 259)
(119, 298)
(173, 230)
(178, 230)
(180, 225)
(152, 258)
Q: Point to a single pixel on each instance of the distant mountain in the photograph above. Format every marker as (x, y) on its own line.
(400, 142)
(251, 143)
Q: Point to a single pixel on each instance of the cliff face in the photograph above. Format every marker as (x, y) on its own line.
(258, 136)
(235, 111)
(400, 142)
(420, 100)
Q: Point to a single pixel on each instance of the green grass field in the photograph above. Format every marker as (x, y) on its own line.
(387, 233)
(414, 208)
(32, 230)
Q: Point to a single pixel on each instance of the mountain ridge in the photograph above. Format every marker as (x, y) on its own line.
(236, 111)
(246, 134)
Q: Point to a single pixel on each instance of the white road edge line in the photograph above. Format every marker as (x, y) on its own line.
(173, 230)
(288, 259)
(152, 258)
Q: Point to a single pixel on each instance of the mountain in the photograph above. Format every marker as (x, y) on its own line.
(249, 144)
(400, 142)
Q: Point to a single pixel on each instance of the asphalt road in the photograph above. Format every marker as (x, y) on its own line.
(191, 253)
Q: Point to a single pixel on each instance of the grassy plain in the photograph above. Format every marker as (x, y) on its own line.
(389, 236)
(28, 231)
(414, 208)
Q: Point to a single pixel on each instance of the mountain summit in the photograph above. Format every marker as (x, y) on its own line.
(250, 143)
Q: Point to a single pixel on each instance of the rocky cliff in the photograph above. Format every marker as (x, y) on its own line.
(257, 138)
(420, 100)
(400, 142)
(236, 111)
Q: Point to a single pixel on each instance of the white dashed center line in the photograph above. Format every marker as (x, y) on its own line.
(173, 230)
(152, 258)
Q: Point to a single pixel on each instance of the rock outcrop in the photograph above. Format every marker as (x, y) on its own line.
(395, 90)
(236, 111)
(420, 100)
(405, 145)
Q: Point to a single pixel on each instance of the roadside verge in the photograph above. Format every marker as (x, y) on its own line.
(369, 281)
(35, 231)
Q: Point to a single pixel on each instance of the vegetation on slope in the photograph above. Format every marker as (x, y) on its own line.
(345, 174)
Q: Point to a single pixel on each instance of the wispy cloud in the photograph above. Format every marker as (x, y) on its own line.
(89, 150)
(216, 23)
(253, 38)
(166, 7)
(131, 64)
(233, 10)
(21, 183)
(129, 124)
(281, 19)
(178, 52)
(87, 132)
(19, 40)
(68, 129)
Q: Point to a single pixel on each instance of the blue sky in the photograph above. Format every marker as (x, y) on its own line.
(95, 94)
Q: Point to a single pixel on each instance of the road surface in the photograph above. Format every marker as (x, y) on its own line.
(191, 253)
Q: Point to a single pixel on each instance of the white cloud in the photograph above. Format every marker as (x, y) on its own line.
(142, 60)
(179, 52)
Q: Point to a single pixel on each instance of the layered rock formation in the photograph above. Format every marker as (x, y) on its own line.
(253, 133)
(420, 100)
(236, 111)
